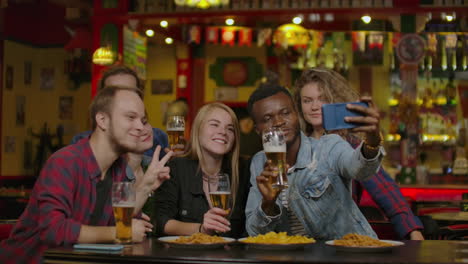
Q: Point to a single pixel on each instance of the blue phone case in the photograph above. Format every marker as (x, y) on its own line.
(333, 116)
(106, 247)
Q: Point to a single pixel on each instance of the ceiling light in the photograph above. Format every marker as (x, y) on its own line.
(103, 56)
(149, 32)
(329, 17)
(229, 21)
(297, 20)
(449, 18)
(169, 41)
(366, 19)
(163, 23)
(203, 4)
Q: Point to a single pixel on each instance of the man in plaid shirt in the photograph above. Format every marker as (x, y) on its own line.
(64, 207)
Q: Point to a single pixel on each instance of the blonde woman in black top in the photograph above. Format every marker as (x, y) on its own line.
(182, 205)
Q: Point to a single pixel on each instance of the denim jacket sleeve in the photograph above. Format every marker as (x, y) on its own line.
(257, 222)
(348, 162)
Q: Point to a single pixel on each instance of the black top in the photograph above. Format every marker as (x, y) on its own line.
(103, 189)
(182, 197)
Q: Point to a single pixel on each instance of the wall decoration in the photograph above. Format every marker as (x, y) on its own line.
(10, 144)
(27, 72)
(161, 86)
(65, 107)
(20, 110)
(47, 78)
(367, 48)
(134, 52)
(228, 35)
(9, 77)
(211, 35)
(411, 48)
(194, 34)
(236, 71)
(77, 68)
(226, 94)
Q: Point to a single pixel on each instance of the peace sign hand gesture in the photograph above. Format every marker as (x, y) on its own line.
(157, 172)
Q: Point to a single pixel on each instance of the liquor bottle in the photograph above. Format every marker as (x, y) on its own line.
(401, 176)
(460, 54)
(451, 91)
(411, 178)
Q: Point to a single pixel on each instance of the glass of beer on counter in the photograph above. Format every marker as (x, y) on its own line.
(175, 128)
(123, 203)
(274, 145)
(219, 189)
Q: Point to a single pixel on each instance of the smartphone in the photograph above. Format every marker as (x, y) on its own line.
(333, 116)
(103, 247)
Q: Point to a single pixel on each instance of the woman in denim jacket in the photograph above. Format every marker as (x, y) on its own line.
(318, 86)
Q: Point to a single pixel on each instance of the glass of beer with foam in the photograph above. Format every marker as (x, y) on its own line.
(274, 145)
(123, 203)
(175, 128)
(219, 189)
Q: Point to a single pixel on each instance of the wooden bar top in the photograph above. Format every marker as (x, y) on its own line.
(429, 251)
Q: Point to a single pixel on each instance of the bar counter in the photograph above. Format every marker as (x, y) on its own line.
(429, 251)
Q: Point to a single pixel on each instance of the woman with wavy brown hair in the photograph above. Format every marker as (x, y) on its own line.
(318, 86)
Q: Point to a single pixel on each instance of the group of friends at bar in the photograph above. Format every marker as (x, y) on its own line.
(327, 171)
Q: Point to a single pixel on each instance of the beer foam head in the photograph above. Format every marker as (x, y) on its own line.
(175, 129)
(124, 204)
(274, 148)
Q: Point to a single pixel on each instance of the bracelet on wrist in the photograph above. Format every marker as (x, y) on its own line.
(369, 147)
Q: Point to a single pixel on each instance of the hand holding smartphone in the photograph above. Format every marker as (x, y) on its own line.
(333, 116)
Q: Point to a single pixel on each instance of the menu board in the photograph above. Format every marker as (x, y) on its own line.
(134, 52)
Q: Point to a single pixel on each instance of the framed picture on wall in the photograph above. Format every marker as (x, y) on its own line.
(27, 72)
(10, 144)
(65, 107)
(47, 78)
(161, 86)
(9, 77)
(20, 110)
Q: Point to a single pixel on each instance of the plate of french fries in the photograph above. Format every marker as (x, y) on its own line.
(361, 243)
(273, 240)
(197, 240)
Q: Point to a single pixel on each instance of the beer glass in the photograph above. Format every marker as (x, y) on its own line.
(123, 203)
(274, 145)
(175, 128)
(219, 189)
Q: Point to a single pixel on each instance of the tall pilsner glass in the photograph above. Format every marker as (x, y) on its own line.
(123, 203)
(175, 128)
(274, 145)
(220, 191)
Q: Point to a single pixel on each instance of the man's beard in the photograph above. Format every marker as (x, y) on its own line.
(115, 144)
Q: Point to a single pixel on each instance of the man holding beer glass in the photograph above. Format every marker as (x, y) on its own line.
(316, 201)
(65, 206)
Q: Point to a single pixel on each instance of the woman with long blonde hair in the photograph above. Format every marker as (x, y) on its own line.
(182, 205)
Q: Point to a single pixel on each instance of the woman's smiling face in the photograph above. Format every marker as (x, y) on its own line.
(217, 133)
(311, 104)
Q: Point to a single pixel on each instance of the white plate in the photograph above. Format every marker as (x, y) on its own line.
(169, 240)
(366, 249)
(274, 246)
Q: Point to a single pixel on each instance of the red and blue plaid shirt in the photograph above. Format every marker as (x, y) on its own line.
(62, 200)
(386, 194)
